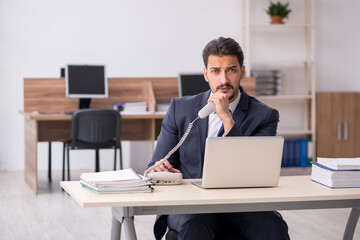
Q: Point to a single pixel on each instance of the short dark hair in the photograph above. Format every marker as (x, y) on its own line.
(223, 46)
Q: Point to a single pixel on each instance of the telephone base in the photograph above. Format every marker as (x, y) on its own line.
(165, 178)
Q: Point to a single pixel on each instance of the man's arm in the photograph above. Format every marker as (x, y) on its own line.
(269, 128)
(167, 139)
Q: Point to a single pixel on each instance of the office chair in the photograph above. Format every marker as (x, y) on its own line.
(93, 129)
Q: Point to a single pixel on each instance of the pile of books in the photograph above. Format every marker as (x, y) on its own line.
(121, 181)
(268, 82)
(337, 172)
(131, 107)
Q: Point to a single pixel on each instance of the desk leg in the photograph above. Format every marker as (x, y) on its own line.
(129, 228)
(115, 229)
(123, 215)
(351, 224)
(31, 139)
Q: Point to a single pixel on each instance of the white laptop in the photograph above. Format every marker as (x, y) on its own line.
(233, 162)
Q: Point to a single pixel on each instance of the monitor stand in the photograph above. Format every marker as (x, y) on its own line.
(84, 103)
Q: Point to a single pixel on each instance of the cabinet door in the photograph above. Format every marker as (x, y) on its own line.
(348, 123)
(328, 113)
(337, 124)
(357, 125)
(352, 120)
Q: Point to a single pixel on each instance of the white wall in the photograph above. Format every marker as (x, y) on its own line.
(139, 38)
(337, 42)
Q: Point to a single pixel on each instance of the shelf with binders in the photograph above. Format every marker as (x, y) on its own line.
(297, 153)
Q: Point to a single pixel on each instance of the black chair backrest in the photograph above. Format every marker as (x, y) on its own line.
(95, 126)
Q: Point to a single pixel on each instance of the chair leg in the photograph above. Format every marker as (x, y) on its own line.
(49, 165)
(121, 161)
(97, 165)
(63, 163)
(115, 149)
(68, 162)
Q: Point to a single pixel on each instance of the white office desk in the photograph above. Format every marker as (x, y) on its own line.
(293, 192)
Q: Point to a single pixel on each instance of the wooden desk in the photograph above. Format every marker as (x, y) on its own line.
(293, 193)
(45, 104)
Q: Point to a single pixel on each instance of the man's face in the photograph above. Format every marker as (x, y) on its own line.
(224, 75)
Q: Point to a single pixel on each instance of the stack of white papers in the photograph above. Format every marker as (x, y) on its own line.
(162, 107)
(121, 181)
(337, 172)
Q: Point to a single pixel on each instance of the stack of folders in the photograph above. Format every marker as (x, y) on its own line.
(131, 107)
(268, 82)
(162, 107)
(337, 172)
(121, 181)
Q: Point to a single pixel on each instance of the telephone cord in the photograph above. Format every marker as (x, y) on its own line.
(174, 148)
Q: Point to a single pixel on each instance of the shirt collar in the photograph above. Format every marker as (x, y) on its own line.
(233, 104)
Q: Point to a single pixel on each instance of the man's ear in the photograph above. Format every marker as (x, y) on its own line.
(242, 72)
(205, 75)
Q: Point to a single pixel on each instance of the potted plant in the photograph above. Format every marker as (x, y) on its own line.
(278, 11)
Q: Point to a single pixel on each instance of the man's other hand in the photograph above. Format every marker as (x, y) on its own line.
(165, 167)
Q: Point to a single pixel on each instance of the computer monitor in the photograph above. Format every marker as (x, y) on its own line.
(86, 82)
(192, 84)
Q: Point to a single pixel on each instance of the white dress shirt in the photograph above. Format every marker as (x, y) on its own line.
(215, 123)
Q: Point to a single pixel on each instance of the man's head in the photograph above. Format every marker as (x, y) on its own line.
(224, 69)
(221, 47)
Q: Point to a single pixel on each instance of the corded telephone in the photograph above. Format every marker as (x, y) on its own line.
(167, 178)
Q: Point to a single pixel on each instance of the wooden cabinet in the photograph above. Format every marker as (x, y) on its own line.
(338, 124)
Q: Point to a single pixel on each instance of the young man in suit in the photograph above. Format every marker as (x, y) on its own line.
(240, 115)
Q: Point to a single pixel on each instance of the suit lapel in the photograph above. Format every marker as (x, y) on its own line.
(203, 123)
(241, 109)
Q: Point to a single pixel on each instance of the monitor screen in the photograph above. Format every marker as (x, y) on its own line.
(86, 81)
(192, 84)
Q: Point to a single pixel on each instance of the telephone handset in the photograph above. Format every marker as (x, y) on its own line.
(207, 110)
(167, 178)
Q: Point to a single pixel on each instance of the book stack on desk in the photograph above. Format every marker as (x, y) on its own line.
(337, 172)
(121, 181)
(131, 107)
(162, 107)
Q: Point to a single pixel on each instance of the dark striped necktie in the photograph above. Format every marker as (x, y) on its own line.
(221, 130)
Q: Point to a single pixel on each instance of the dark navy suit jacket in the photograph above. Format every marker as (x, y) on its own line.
(252, 118)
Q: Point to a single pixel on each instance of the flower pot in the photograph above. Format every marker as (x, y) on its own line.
(276, 20)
